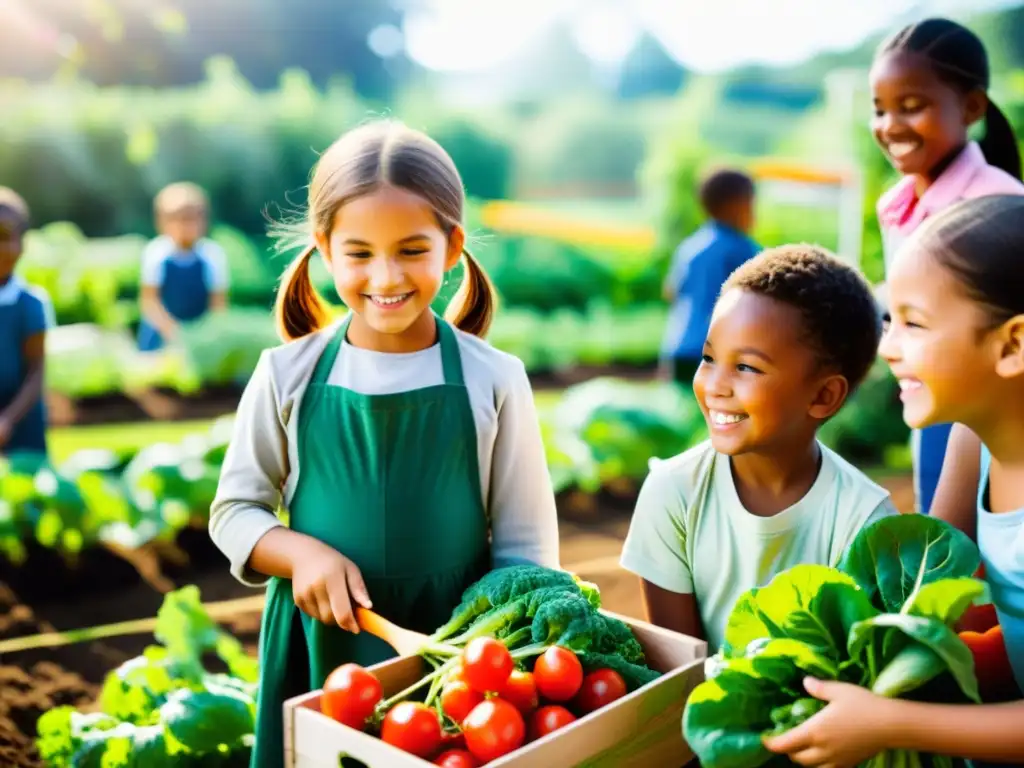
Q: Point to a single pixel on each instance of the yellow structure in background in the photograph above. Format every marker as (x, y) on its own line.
(839, 187)
(513, 217)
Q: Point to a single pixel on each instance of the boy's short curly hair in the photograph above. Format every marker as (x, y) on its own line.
(841, 318)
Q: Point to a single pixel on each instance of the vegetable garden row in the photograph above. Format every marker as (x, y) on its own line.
(564, 305)
(598, 435)
(87, 360)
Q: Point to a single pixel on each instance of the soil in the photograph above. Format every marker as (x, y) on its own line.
(44, 595)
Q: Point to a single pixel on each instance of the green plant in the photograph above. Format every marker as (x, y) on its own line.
(163, 708)
(883, 620)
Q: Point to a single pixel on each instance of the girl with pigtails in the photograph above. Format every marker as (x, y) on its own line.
(406, 449)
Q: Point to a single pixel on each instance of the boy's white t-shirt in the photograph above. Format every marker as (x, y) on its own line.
(691, 534)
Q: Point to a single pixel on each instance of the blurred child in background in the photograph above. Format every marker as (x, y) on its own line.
(184, 274)
(701, 265)
(25, 315)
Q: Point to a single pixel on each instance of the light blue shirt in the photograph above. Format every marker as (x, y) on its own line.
(1001, 541)
(162, 250)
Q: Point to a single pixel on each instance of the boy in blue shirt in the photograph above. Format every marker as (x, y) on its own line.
(184, 274)
(701, 265)
(25, 316)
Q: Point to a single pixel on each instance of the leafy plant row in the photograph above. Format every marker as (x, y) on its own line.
(96, 280)
(98, 497)
(87, 360)
(597, 432)
(164, 708)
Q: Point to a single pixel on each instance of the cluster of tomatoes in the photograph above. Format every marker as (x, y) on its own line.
(486, 709)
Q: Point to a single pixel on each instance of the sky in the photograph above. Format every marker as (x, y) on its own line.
(703, 35)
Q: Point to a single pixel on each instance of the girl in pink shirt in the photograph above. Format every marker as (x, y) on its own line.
(929, 82)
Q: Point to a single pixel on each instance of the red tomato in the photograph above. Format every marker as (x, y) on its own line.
(558, 673)
(494, 728)
(350, 695)
(458, 700)
(549, 719)
(520, 691)
(452, 740)
(412, 727)
(456, 758)
(599, 689)
(487, 664)
(457, 672)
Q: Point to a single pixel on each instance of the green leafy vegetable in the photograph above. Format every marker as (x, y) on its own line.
(894, 557)
(204, 721)
(162, 709)
(883, 620)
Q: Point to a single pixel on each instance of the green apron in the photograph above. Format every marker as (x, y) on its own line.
(393, 483)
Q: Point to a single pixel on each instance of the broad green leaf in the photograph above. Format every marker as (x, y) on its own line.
(184, 626)
(149, 748)
(945, 600)
(118, 753)
(812, 604)
(782, 653)
(898, 555)
(725, 717)
(202, 721)
(936, 636)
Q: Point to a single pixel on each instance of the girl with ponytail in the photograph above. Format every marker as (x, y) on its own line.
(930, 84)
(405, 449)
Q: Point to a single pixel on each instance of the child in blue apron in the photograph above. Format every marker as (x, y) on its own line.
(184, 275)
(956, 343)
(406, 449)
(929, 83)
(25, 314)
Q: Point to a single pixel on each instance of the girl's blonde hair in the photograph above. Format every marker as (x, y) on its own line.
(376, 154)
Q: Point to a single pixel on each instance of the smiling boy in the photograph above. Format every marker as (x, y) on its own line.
(793, 334)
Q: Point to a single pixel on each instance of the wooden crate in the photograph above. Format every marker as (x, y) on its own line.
(640, 730)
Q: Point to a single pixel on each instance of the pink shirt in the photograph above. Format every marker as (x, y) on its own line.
(968, 176)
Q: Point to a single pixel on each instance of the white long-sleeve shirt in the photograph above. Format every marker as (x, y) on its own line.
(261, 468)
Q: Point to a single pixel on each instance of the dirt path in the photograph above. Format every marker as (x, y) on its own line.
(32, 682)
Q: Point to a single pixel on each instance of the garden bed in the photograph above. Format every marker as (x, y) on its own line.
(217, 401)
(31, 682)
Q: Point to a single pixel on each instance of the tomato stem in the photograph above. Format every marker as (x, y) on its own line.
(445, 667)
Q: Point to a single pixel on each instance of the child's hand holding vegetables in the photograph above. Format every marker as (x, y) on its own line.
(857, 725)
(853, 728)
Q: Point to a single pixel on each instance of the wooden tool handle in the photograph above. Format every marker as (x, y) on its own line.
(405, 641)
